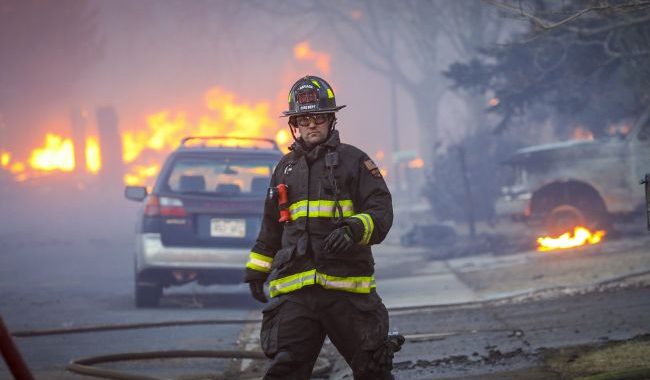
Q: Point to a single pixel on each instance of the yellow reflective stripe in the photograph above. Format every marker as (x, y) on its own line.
(259, 262)
(330, 94)
(298, 209)
(320, 208)
(349, 284)
(368, 227)
(315, 83)
(290, 283)
(360, 284)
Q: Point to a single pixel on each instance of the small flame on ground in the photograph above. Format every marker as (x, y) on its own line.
(580, 236)
(582, 133)
(619, 129)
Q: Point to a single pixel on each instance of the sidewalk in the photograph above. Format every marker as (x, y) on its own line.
(489, 277)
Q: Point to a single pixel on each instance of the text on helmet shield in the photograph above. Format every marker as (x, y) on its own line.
(307, 97)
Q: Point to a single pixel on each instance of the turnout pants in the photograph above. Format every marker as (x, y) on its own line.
(294, 327)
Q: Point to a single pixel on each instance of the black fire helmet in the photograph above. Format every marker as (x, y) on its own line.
(311, 95)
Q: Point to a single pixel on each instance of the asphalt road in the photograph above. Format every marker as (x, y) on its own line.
(59, 279)
(77, 272)
(474, 341)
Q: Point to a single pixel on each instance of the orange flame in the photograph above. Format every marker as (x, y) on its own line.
(93, 158)
(5, 158)
(283, 137)
(581, 133)
(416, 163)
(581, 236)
(303, 52)
(144, 148)
(57, 154)
(228, 116)
(140, 173)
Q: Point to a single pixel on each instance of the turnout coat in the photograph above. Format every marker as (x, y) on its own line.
(330, 185)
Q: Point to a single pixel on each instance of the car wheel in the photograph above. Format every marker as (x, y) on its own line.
(147, 295)
(564, 218)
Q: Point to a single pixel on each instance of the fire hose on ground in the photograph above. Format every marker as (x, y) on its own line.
(86, 366)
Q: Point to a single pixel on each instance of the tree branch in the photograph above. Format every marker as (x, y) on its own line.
(548, 25)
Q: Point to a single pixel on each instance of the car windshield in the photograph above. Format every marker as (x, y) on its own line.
(220, 177)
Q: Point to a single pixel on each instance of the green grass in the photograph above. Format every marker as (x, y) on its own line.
(621, 361)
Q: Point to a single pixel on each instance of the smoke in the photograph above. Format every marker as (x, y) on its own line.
(147, 57)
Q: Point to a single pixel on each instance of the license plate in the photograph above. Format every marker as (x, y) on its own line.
(228, 228)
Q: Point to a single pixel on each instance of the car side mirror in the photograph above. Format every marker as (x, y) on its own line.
(135, 193)
(646, 181)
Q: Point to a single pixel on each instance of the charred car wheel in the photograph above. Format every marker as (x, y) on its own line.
(564, 218)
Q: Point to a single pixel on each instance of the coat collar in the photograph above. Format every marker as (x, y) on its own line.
(315, 152)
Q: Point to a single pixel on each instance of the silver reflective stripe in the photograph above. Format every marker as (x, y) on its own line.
(259, 263)
(344, 283)
(320, 208)
(360, 284)
(291, 283)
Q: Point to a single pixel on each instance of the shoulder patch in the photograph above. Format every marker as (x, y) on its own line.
(372, 167)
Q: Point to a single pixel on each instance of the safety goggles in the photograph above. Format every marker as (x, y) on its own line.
(305, 120)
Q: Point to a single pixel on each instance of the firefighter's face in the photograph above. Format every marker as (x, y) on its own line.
(313, 128)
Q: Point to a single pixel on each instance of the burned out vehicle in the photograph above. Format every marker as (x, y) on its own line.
(586, 182)
(203, 214)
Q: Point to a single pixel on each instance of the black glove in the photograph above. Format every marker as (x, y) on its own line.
(257, 290)
(339, 240)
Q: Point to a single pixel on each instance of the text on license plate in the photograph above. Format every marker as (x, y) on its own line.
(228, 228)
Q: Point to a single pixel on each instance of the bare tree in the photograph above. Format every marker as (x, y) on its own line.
(402, 41)
(531, 12)
(44, 47)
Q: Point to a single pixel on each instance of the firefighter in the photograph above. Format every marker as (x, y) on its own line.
(327, 204)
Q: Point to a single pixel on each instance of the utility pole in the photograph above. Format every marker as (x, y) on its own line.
(112, 171)
(393, 110)
(469, 203)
